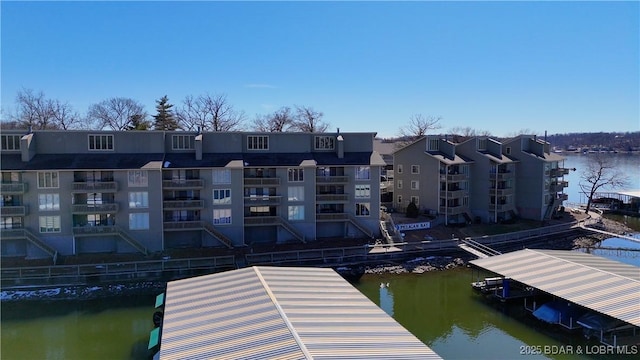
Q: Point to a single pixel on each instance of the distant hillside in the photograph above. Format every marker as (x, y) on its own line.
(629, 141)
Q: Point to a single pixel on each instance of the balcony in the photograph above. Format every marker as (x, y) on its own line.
(261, 200)
(261, 220)
(14, 188)
(502, 175)
(332, 179)
(7, 234)
(501, 192)
(332, 197)
(97, 187)
(453, 194)
(95, 230)
(453, 210)
(181, 184)
(562, 197)
(500, 207)
(14, 210)
(557, 172)
(249, 181)
(332, 217)
(94, 208)
(453, 177)
(183, 204)
(183, 225)
(558, 186)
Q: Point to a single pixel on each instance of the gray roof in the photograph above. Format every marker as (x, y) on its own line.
(79, 161)
(279, 312)
(606, 286)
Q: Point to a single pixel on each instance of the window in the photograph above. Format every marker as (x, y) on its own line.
(363, 191)
(415, 200)
(415, 169)
(182, 142)
(324, 143)
(295, 193)
(363, 173)
(362, 209)
(49, 224)
(296, 174)
(508, 150)
(296, 212)
(221, 196)
(100, 142)
(10, 142)
(8, 222)
(138, 178)
(221, 216)
(399, 199)
(48, 180)
(399, 182)
(222, 176)
(48, 202)
(139, 221)
(415, 185)
(10, 177)
(138, 200)
(433, 145)
(482, 144)
(399, 168)
(257, 142)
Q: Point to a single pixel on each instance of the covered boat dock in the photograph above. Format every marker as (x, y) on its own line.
(597, 284)
(266, 312)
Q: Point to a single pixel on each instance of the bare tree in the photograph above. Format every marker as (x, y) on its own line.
(209, 113)
(600, 173)
(308, 120)
(279, 121)
(460, 134)
(116, 113)
(418, 127)
(35, 111)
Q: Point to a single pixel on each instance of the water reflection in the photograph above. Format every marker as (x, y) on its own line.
(386, 298)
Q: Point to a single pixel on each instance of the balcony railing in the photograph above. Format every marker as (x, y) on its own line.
(261, 220)
(453, 177)
(453, 210)
(183, 184)
(501, 192)
(502, 175)
(558, 186)
(17, 210)
(332, 217)
(7, 234)
(332, 197)
(183, 204)
(559, 172)
(500, 207)
(331, 179)
(261, 200)
(101, 186)
(248, 181)
(14, 188)
(93, 230)
(453, 194)
(94, 208)
(183, 225)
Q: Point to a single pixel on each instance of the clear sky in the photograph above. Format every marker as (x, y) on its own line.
(368, 66)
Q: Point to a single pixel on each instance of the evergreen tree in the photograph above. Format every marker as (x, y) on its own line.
(164, 119)
(412, 210)
(138, 122)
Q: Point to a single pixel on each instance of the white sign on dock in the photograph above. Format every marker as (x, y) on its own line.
(413, 226)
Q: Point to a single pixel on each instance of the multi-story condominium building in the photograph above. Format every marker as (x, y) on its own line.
(480, 179)
(73, 192)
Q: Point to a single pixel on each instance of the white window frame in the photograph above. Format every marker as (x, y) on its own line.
(363, 191)
(221, 196)
(360, 206)
(138, 178)
(415, 169)
(399, 199)
(295, 212)
(415, 185)
(139, 221)
(399, 168)
(49, 202)
(363, 172)
(183, 142)
(482, 144)
(415, 199)
(222, 216)
(399, 183)
(433, 144)
(139, 197)
(49, 224)
(295, 193)
(325, 142)
(100, 142)
(11, 142)
(221, 176)
(257, 142)
(52, 182)
(295, 174)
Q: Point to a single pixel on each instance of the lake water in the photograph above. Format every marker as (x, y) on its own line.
(438, 307)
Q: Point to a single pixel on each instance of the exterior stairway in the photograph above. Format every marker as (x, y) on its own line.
(39, 243)
(217, 234)
(133, 242)
(357, 224)
(285, 224)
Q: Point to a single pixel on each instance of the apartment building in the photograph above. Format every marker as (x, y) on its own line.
(74, 192)
(480, 179)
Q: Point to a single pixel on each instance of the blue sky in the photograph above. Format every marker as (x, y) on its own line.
(368, 66)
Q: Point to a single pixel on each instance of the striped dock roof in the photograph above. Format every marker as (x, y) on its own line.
(266, 312)
(603, 285)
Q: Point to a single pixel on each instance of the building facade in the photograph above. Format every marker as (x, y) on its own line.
(74, 192)
(480, 179)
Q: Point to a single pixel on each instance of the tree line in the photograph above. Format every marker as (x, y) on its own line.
(206, 112)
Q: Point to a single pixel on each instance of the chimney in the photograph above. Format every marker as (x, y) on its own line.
(198, 146)
(27, 147)
(340, 146)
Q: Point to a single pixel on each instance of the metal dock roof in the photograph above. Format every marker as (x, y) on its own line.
(279, 312)
(607, 286)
